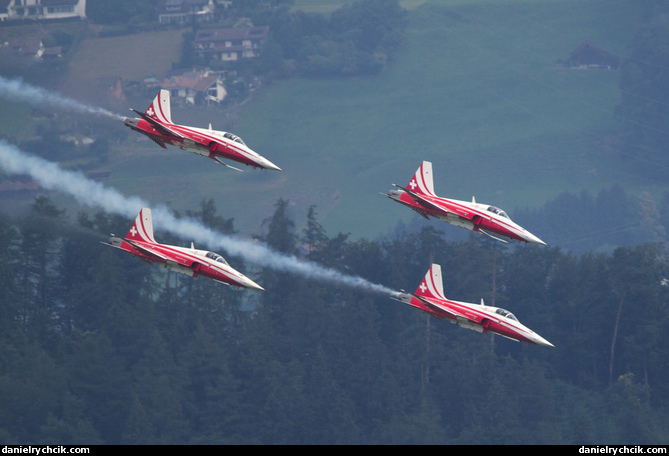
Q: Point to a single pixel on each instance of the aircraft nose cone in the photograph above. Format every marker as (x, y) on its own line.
(257, 160)
(248, 283)
(537, 339)
(269, 165)
(532, 239)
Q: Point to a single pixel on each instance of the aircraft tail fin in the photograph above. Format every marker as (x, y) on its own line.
(422, 182)
(160, 108)
(432, 285)
(142, 228)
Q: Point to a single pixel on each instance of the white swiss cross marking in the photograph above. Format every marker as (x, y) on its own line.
(150, 112)
(413, 184)
(133, 231)
(423, 287)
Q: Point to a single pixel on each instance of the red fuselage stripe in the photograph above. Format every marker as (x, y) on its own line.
(172, 252)
(447, 204)
(495, 325)
(243, 155)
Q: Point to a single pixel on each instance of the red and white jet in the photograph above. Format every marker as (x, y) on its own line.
(419, 195)
(156, 123)
(189, 261)
(429, 297)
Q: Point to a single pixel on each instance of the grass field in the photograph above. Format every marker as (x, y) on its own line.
(474, 89)
(13, 123)
(130, 57)
(328, 6)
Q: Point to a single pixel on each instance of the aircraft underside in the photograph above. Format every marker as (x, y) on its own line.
(457, 221)
(464, 323)
(193, 147)
(172, 266)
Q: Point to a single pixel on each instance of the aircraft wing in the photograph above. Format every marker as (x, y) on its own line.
(160, 143)
(440, 308)
(146, 250)
(424, 202)
(158, 126)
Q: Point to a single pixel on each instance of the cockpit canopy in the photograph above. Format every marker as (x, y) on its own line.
(506, 313)
(497, 211)
(216, 257)
(234, 138)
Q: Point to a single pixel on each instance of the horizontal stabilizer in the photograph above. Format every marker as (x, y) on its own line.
(421, 213)
(157, 125)
(146, 250)
(157, 141)
(422, 201)
(437, 307)
(111, 244)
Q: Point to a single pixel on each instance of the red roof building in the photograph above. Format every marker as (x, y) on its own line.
(230, 44)
(195, 85)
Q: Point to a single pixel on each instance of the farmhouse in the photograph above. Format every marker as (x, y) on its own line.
(49, 53)
(195, 86)
(186, 11)
(589, 55)
(30, 45)
(34, 46)
(230, 44)
(44, 9)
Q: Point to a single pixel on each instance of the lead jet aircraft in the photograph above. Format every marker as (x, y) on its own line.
(429, 297)
(189, 261)
(156, 123)
(419, 195)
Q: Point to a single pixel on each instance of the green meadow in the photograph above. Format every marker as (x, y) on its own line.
(13, 120)
(475, 89)
(130, 57)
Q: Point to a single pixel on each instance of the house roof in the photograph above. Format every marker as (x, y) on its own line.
(588, 53)
(27, 45)
(191, 80)
(228, 34)
(182, 6)
(58, 2)
(53, 51)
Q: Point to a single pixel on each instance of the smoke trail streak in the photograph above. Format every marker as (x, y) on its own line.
(17, 90)
(90, 193)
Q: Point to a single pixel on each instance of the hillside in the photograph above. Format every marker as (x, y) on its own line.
(475, 89)
(98, 347)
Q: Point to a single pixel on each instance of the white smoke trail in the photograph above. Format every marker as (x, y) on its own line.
(90, 193)
(17, 90)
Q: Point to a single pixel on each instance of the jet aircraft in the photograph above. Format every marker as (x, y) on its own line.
(419, 195)
(429, 297)
(189, 261)
(156, 123)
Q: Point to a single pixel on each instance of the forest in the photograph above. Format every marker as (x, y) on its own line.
(97, 347)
